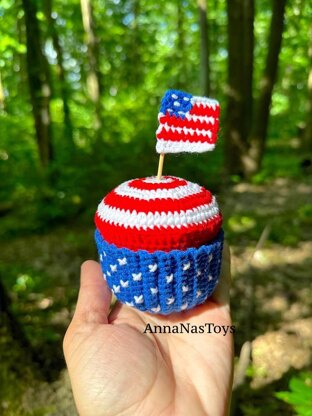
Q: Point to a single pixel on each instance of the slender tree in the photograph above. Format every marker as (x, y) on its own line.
(262, 107)
(94, 76)
(1, 94)
(39, 85)
(308, 129)
(30, 366)
(135, 43)
(52, 29)
(248, 62)
(180, 47)
(22, 74)
(246, 122)
(235, 141)
(204, 48)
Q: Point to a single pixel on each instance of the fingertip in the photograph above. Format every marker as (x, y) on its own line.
(91, 273)
(89, 265)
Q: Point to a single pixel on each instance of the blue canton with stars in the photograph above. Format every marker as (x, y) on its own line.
(161, 282)
(176, 102)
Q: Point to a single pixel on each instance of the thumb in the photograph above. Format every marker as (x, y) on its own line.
(94, 296)
(222, 293)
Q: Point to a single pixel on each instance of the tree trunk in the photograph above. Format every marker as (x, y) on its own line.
(235, 141)
(13, 337)
(248, 51)
(22, 73)
(182, 76)
(94, 82)
(136, 52)
(68, 128)
(2, 103)
(204, 48)
(261, 116)
(39, 86)
(308, 129)
(7, 316)
(246, 125)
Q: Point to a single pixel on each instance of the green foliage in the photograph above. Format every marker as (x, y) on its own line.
(299, 395)
(143, 51)
(139, 59)
(241, 223)
(305, 214)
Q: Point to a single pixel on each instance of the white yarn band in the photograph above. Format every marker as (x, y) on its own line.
(175, 193)
(204, 101)
(175, 219)
(184, 130)
(154, 179)
(168, 146)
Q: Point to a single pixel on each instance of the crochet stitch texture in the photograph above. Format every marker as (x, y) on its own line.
(161, 282)
(187, 123)
(158, 215)
(160, 243)
(160, 239)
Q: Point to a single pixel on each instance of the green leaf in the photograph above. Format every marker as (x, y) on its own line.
(300, 394)
(300, 387)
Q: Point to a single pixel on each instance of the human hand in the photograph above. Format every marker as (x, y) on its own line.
(117, 369)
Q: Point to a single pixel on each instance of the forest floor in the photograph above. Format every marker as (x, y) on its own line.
(271, 301)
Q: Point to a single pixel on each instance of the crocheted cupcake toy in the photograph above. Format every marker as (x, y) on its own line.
(160, 239)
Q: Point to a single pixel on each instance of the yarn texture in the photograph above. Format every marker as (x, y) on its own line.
(161, 282)
(160, 239)
(160, 243)
(187, 123)
(158, 215)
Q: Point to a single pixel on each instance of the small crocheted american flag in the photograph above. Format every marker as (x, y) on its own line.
(187, 123)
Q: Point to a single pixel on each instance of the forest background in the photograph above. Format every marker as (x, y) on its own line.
(80, 88)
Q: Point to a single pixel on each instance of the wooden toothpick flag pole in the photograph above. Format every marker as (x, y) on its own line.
(160, 165)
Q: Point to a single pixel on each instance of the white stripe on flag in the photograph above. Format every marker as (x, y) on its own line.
(168, 146)
(184, 131)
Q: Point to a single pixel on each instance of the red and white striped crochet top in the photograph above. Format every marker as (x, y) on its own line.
(148, 214)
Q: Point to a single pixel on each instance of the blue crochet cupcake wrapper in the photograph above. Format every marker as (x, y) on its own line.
(161, 282)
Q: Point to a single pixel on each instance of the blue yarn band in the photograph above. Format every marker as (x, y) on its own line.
(161, 282)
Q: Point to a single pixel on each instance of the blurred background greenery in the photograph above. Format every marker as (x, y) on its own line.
(80, 87)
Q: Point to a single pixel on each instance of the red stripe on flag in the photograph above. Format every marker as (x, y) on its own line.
(200, 110)
(177, 137)
(173, 120)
